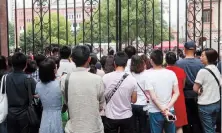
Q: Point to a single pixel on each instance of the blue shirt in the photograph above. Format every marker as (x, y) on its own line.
(191, 66)
(219, 66)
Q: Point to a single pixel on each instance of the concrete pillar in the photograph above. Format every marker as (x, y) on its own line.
(3, 28)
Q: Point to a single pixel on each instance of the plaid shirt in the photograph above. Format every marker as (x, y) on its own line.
(35, 75)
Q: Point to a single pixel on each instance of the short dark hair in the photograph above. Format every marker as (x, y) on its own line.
(171, 58)
(10, 61)
(198, 52)
(39, 58)
(90, 47)
(211, 55)
(103, 61)
(31, 66)
(47, 71)
(120, 59)
(19, 61)
(3, 65)
(111, 52)
(56, 60)
(137, 64)
(55, 49)
(92, 63)
(65, 52)
(157, 57)
(130, 51)
(80, 55)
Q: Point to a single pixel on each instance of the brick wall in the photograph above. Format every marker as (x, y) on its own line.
(3, 29)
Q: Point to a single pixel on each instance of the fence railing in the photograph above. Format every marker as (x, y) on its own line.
(103, 24)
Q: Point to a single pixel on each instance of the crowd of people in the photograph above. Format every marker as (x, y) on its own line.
(72, 91)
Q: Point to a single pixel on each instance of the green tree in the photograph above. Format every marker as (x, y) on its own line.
(144, 12)
(11, 35)
(42, 32)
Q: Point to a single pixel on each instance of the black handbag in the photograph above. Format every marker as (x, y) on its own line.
(34, 119)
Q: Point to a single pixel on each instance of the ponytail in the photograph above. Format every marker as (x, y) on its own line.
(93, 69)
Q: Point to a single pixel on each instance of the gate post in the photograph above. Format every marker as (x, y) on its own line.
(3, 28)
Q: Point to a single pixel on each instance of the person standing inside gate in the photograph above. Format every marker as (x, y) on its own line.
(191, 66)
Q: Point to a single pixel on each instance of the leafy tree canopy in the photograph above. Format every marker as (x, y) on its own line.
(42, 32)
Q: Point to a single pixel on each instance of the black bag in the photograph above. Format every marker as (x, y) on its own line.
(33, 117)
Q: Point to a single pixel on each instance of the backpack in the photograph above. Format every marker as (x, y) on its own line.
(3, 100)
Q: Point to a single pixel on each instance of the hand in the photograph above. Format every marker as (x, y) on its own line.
(164, 111)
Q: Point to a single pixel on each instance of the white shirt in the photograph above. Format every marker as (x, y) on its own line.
(65, 66)
(162, 82)
(141, 80)
(119, 107)
(210, 86)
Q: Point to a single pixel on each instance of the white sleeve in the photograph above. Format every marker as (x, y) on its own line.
(200, 77)
(175, 80)
(148, 84)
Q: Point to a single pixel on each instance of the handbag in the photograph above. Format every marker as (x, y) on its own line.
(112, 92)
(33, 117)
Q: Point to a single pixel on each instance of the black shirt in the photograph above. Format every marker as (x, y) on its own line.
(17, 92)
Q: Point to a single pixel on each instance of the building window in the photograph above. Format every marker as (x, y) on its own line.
(206, 15)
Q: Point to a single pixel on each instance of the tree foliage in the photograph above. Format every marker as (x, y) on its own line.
(42, 31)
(11, 35)
(140, 23)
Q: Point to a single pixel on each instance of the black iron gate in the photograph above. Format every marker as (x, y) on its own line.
(104, 24)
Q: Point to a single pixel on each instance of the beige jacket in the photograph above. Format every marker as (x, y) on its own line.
(85, 100)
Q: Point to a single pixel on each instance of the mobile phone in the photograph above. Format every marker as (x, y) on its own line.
(171, 118)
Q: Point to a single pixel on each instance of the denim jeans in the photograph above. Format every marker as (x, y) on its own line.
(208, 116)
(141, 124)
(158, 123)
(3, 127)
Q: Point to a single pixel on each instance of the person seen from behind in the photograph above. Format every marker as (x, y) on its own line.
(85, 95)
(191, 66)
(207, 86)
(179, 106)
(18, 98)
(162, 85)
(140, 116)
(49, 92)
(66, 65)
(130, 51)
(120, 92)
(109, 63)
(92, 66)
(38, 58)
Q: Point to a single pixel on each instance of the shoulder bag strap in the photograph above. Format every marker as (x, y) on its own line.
(143, 92)
(29, 91)
(215, 79)
(66, 87)
(3, 84)
(112, 92)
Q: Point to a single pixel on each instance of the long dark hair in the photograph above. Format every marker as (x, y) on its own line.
(92, 64)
